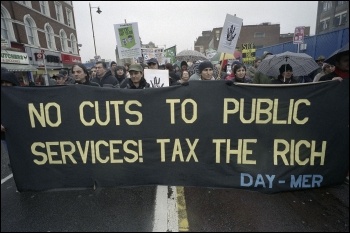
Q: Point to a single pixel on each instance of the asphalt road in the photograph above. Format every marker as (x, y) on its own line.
(208, 210)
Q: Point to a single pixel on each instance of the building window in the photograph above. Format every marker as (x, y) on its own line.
(44, 8)
(74, 44)
(327, 5)
(29, 30)
(6, 26)
(63, 39)
(26, 3)
(4, 29)
(340, 19)
(59, 12)
(69, 18)
(50, 38)
(339, 3)
(217, 35)
(324, 24)
(259, 35)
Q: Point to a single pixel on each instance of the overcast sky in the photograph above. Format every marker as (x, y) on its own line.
(179, 23)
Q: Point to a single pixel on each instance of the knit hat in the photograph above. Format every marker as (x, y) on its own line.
(63, 72)
(285, 67)
(204, 65)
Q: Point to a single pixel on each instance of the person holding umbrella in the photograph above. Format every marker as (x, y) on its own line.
(340, 59)
(285, 76)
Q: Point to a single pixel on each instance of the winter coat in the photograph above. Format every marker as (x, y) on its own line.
(143, 84)
(108, 78)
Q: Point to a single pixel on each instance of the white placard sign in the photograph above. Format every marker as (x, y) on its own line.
(128, 40)
(157, 78)
(230, 33)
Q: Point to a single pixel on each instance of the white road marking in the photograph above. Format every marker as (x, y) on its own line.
(6, 178)
(165, 213)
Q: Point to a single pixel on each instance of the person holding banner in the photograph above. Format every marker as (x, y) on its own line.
(81, 75)
(104, 76)
(206, 70)
(184, 78)
(136, 80)
(239, 72)
(286, 75)
(8, 79)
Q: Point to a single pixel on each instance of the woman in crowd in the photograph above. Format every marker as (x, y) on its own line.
(240, 76)
(120, 74)
(184, 78)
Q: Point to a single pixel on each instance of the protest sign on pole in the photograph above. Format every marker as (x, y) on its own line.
(229, 34)
(298, 37)
(128, 40)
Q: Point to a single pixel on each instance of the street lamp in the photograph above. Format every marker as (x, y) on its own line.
(92, 25)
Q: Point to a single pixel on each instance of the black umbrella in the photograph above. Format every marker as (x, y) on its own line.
(331, 59)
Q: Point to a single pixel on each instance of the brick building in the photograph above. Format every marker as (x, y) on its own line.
(252, 36)
(42, 31)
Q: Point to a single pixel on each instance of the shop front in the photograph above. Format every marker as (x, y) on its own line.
(46, 62)
(68, 60)
(18, 62)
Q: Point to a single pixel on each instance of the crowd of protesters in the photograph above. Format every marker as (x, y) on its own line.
(121, 76)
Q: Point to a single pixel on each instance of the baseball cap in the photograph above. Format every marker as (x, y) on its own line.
(59, 76)
(63, 72)
(136, 67)
(152, 60)
(321, 58)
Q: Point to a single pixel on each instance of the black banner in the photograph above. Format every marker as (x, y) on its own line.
(265, 138)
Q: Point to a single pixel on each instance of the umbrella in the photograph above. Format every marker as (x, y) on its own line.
(331, 59)
(194, 69)
(301, 63)
(190, 55)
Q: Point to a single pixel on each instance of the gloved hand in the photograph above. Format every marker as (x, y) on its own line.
(229, 82)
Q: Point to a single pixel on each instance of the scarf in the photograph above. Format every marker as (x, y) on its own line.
(340, 73)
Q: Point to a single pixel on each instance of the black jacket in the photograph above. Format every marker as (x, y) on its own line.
(143, 84)
(108, 78)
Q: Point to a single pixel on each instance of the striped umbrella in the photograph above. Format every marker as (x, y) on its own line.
(301, 63)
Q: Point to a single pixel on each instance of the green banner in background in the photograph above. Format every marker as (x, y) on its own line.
(171, 53)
